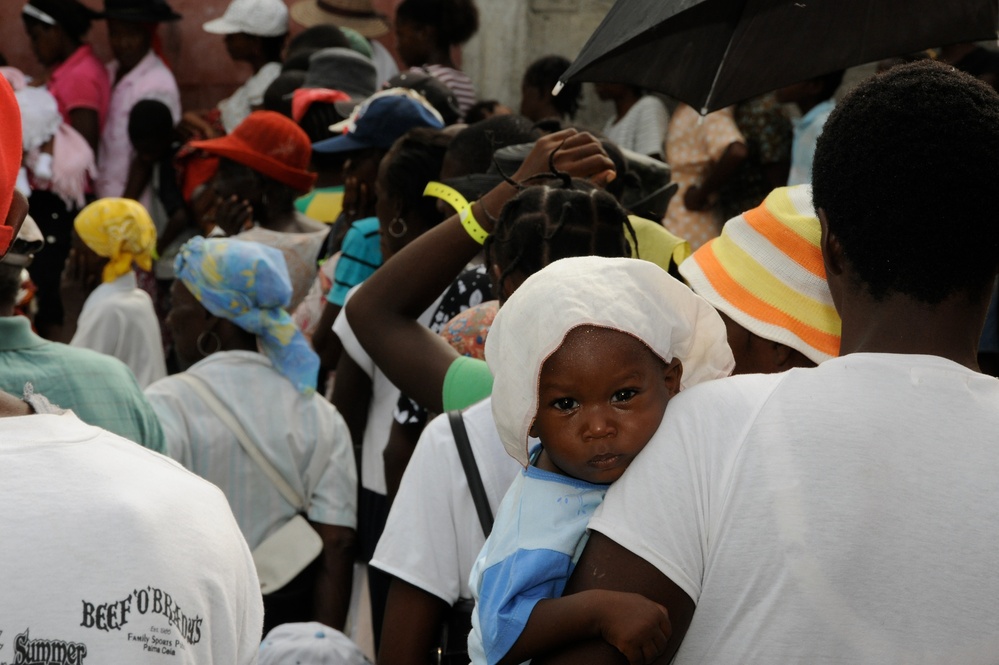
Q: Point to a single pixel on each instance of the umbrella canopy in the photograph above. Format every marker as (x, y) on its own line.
(713, 53)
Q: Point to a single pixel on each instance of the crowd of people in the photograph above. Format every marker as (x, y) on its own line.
(356, 324)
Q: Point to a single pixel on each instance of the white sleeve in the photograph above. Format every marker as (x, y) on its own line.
(170, 411)
(100, 330)
(420, 543)
(352, 345)
(667, 504)
(650, 126)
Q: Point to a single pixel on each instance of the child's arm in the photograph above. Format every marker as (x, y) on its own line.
(636, 626)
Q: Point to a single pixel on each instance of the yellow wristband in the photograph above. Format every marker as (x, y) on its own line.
(454, 199)
(449, 195)
(472, 226)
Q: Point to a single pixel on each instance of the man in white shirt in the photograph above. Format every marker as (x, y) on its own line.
(844, 513)
(112, 552)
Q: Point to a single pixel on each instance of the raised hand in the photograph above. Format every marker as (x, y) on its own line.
(579, 154)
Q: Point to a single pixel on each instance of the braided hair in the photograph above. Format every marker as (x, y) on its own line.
(548, 222)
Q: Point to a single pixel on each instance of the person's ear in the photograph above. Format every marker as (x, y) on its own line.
(533, 430)
(832, 249)
(16, 214)
(781, 355)
(429, 33)
(672, 374)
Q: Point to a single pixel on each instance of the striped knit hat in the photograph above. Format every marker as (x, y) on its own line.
(765, 272)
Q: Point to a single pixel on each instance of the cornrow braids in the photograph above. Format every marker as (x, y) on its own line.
(545, 223)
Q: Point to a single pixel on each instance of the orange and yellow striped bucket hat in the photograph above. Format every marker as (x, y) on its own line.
(765, 272)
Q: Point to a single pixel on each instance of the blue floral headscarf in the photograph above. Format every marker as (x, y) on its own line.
(248, 284)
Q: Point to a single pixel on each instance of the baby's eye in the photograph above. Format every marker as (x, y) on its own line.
(565, 404)
(624, 395)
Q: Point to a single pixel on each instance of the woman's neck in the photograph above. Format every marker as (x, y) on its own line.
(67, 49)
(441, 57)
(623, 104)
(257, 62)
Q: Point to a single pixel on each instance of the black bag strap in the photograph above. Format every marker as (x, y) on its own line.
(467, 458)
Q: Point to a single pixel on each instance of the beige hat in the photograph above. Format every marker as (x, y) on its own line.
(630, 295)
(358, 15)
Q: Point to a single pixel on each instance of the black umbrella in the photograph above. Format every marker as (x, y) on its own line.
(713, 53)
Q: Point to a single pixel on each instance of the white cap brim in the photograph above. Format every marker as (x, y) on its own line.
(224, 26)
(221, 26)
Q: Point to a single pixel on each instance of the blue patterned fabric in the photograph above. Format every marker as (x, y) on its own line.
(248, 284)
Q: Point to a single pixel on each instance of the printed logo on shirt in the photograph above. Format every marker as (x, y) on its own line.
(129, 616)
(46, 651)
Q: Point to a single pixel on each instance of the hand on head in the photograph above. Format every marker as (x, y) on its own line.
(579, 154)
(233, 215)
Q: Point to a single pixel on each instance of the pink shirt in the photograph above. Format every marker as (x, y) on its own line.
(150, 79)
(81, 82)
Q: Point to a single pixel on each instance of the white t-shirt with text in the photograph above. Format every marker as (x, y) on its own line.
(115, 554)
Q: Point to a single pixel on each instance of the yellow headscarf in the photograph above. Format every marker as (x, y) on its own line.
(120, 230)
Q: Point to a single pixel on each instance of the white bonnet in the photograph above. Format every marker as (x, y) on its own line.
(630, 295)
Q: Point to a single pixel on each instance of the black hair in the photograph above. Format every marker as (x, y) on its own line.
(456, 20)
(273, 47)
(149, 118)
(297, 61)
(903, 170)
(10, 284)
(329, 161)
(546, 223)
(278, 95)
(414, 160)
(317, 120)
(830, 83)
(318, 37)
(543, 74)
(480, 111)
(472, 149)
(549, 126)
(73, 17)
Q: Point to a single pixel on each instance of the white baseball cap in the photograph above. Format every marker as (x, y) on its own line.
(309, 643)
(260, 18)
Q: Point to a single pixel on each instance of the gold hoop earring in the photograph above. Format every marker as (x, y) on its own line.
(394, 227)
(201, 343)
